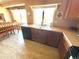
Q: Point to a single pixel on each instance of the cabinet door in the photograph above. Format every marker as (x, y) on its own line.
(53, 38)
(63, 48)
(35, 34)
(42, 36)
(74, 8)
(39, 35)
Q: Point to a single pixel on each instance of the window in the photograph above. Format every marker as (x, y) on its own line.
(43, 14)
(20, 15)
(37, 15)
(48, 16)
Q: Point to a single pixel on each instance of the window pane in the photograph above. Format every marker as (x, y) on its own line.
(37, 15)
(48, 16)
(20, 16)
(23, 16)
(16, 15)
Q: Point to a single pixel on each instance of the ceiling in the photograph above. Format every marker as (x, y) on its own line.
(30, 2)
(1, 1)
(4, 0)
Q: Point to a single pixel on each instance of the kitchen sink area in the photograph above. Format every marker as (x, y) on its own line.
(45, 27)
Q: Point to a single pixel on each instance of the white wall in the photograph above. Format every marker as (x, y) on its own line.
(5, 13)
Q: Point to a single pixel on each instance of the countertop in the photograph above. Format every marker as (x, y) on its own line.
(70, 36)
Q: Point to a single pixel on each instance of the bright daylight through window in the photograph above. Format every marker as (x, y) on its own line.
(43, 15)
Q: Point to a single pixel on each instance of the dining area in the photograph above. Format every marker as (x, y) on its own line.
(7, 28)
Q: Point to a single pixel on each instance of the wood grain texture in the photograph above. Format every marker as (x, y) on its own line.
(16, 48)
(47, 37)
(74, 9)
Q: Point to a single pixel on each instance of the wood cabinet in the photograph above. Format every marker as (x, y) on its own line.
(63, 48)
(53, 38)
(73, 8)
(39, 35)
(47, 37)
(70, 8)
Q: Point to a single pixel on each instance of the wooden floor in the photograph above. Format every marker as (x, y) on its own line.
(15, 47)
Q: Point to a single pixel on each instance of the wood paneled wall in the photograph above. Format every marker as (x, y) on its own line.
(70, 13)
